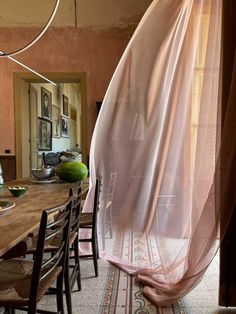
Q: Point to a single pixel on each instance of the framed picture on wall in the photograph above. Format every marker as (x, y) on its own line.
(73, 113)
(46, 103)
(56, 121)
(64, 127)
(65, 105)
(44, 134)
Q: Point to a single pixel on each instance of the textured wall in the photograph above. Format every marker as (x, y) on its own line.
(86, 36)
(92, 13)
(68, 49)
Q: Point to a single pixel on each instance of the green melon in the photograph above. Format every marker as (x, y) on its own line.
(72, 171)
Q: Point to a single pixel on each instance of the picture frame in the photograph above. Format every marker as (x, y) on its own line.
(44, 134)
(46, 104)
(73, 113)
(65, 105)
(56, 121)
(65, 127)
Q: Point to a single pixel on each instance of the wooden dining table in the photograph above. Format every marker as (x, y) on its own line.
(24, 218)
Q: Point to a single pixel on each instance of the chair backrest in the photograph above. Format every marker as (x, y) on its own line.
(51, 159)
(93, 224)
(46, 265)
(111, 188)
(76, 194)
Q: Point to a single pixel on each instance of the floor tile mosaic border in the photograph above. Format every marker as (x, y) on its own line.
(121, 293)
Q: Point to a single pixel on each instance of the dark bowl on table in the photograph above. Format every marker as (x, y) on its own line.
(17, 190)
(43, 173)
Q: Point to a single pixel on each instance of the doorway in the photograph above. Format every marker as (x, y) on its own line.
(26, 138)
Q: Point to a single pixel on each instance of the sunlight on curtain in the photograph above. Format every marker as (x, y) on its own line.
(157, 131)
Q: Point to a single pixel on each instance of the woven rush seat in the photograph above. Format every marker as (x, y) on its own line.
(15, 281)
(19, 249)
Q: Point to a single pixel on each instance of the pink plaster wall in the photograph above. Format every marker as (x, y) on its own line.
(69, 49)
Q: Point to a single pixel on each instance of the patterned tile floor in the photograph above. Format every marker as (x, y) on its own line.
(114, 292)
(204, 298)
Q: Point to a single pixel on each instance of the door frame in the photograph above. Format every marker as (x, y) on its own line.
(59, 77)
(33, 124)
(227, 285)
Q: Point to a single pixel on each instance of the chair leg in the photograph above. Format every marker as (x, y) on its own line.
(32, 306)
(95, 255)
(97, 248)
(67, 287)
(60, 307)
(77, 262)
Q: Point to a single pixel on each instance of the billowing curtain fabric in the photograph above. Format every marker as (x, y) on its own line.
(157, 136)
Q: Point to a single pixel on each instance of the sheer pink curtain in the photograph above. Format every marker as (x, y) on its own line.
(158, 132)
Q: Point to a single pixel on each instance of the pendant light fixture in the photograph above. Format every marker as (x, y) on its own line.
(30, 44)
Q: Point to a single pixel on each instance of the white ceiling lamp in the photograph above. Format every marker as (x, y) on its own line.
(31, 43)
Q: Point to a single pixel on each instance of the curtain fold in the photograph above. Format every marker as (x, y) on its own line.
(158, 131)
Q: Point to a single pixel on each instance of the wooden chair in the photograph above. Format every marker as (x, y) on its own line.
(89, 221)
(51, 159)
(105, 213)
(24, 282)
(70, 277)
